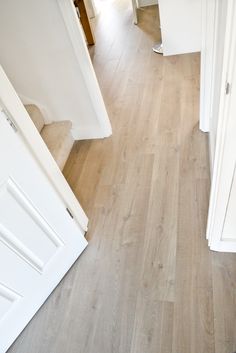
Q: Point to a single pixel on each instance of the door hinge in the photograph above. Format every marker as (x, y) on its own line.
(9, 120)
(227, 88)
(70, 213)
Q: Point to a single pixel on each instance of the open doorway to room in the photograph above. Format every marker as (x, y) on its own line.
(116, 34)
(112, 21)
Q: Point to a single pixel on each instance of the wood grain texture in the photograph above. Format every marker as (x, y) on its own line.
(147, 282)
(85, 21)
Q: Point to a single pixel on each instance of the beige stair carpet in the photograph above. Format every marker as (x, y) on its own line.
(59, 140)
(36, 116)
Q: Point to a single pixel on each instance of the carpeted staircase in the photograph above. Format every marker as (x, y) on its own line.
(57, 135)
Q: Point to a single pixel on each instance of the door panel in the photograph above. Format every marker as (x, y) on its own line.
(37, 243)
(221, 231)
(39, 240)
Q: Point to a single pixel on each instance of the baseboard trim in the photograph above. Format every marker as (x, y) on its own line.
(88, 133)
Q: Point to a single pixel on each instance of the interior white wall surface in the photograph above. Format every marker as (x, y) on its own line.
(37, 55)
(180, 26)
(218, 66)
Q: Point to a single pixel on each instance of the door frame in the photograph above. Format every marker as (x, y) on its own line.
(222, 177)
(209, 30)
(14, 107)
(85, 21)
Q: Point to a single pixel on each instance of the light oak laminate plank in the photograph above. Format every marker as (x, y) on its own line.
(147, 283)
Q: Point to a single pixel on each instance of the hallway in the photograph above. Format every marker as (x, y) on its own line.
(147, 283)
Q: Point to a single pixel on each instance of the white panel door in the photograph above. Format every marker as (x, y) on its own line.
(39, 240)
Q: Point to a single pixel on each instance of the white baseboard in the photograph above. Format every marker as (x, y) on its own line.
(143, 3)
(87, 133)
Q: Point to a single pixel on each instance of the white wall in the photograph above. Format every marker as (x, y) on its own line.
(180, 26)
(217, 72)
(221, 231)
(49, 67)
(213, 41)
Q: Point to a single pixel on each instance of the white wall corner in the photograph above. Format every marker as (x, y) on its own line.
(48, 119)
(78, 43)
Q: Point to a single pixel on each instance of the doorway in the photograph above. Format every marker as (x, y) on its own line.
(122, 33)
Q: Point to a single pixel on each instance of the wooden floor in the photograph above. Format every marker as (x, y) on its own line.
(147, 283)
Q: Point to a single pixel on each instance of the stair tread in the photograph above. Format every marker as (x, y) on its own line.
(36, 116)
(59, 140)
